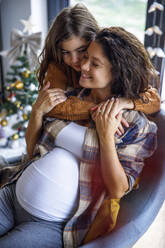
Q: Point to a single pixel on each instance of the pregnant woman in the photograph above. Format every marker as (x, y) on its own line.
(56, 200)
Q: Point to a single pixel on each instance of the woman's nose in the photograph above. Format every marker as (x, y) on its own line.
(85, 65)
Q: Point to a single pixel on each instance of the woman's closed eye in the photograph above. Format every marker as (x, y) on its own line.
(94, 64)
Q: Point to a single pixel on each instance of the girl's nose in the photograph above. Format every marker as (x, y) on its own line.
(75, 58)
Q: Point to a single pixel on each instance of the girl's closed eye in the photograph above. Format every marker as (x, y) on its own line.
(82, 50)
(65, 52)
(94, 64)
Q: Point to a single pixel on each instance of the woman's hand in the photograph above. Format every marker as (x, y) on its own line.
(122, 104)
(107, 117)
(48, 99)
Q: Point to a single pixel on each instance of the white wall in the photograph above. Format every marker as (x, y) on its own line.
(12, 11)
(39, 17)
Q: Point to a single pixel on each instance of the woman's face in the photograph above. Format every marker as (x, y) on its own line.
(73, 50)
(95, 69)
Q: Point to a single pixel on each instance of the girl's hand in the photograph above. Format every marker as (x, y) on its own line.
(48, 99)
(121, 106)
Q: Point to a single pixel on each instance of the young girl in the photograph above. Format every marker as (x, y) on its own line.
(66, 43)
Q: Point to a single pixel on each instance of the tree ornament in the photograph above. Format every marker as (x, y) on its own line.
(15, 136)
(28, 25)
(10, 111)
(10, 96)
(25, 124)
(26, 74)
(32, 87)
(18, 104)
(12, 85)
(3, 113)
(19, 85)
(25, 117)
(13, 99)
(19, 41)
(21, 134)
(4, 122)
(27, 109)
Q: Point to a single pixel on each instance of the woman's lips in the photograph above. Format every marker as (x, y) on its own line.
(84, 76)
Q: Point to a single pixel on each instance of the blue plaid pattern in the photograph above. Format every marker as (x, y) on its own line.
(137, 143)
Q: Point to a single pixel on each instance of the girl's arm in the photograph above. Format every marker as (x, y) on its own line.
(47, 99)
(150, 103)
(58, 79)
(33, 131)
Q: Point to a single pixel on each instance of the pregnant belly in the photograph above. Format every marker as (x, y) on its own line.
(48, 188)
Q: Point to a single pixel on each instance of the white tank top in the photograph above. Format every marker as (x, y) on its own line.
(48, 188)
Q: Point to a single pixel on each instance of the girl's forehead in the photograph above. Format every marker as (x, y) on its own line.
(73, 43)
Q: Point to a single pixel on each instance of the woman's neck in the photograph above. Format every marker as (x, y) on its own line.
(99, 95)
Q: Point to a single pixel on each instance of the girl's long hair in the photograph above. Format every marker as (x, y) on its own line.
(70, 21)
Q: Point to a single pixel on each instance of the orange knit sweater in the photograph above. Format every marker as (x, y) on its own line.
(75, 109)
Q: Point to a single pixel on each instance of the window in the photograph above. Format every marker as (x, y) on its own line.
(129, 14)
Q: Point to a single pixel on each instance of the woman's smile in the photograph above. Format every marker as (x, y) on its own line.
(95, 68)
(84, 76)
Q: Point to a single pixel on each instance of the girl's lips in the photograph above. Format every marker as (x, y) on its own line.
(76, 65)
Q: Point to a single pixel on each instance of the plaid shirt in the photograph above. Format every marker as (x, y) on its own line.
(137, 143)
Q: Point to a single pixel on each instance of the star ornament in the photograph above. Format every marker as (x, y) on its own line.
(155, 6)
(28, 25)
(155, 51)
(155, 29)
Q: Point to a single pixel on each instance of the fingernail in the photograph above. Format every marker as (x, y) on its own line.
(94, 108)
(112, 99)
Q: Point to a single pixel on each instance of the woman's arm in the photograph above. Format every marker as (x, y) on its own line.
(140, 142)
(47, 99)
(107, 121)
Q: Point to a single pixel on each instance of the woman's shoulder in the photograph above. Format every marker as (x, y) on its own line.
(139, 121)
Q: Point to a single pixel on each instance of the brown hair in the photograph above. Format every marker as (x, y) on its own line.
(132, 69)
(70, 21)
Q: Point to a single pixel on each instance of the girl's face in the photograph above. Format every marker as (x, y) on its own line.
(95, 69)
(73, 50)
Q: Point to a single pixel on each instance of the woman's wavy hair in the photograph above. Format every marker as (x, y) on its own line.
(132, 70)
(70, 21)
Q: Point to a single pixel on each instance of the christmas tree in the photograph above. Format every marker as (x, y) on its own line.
(21, 88)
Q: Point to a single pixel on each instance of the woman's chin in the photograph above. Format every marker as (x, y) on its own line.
(83, 84)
